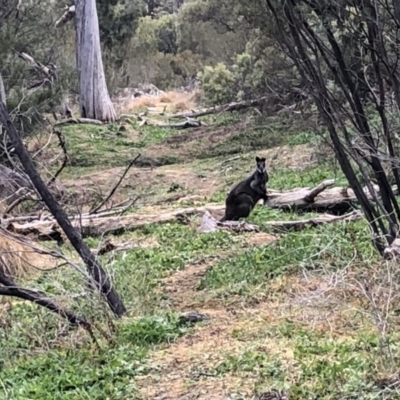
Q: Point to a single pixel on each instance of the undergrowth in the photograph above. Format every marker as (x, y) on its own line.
(333, 349)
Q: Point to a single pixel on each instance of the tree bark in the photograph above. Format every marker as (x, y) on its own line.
(3, 98)
(94, 99)
(98, 274)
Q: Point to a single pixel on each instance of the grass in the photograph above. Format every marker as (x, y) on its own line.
(91, 147)
(87, 371)
(286, 312)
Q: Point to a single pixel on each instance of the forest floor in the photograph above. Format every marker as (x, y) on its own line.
(285, 312)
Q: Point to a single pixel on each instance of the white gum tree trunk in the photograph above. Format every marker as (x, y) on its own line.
(94, 99)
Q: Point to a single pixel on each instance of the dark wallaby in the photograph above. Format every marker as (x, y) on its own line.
(247, 193)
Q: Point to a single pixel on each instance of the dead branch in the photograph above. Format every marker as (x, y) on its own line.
(337, 200)
(299, 225)
(17, 202)
(96, 225)
(79, 121)
(210, 224)
(66, 17)
(236, 106)
(118, 209)
(61, 143)
(189, 123)
(95, 270)
(12, 289)
(114, 189)
(37, 66)
(318, 189)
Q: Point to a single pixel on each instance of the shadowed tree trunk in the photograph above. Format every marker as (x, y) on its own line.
(94, 99)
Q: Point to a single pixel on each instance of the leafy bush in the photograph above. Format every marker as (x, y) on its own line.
(216, 83)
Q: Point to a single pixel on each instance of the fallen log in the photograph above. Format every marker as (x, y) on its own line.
(323, 198)
(189, 123)
(236, 106)
(100, 225)
(210, 224)
(79, 121)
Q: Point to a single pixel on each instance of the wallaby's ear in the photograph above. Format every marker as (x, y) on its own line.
(263, 159)
(258, 159)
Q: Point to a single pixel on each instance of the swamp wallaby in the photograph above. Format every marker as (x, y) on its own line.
(247, 193)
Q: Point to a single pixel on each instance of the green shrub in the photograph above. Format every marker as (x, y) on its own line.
(217, 84)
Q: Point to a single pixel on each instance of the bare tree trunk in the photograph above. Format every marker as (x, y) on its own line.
(2, 91)
(94, 99)
(99, 276)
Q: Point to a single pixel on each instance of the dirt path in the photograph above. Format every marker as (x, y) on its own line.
(183, 369)
(183, 181)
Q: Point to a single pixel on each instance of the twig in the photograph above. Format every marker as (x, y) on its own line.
(114, 189)
(66, 158)
(18, 201)
(69, 14)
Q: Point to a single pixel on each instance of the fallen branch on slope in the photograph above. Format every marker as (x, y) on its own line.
(79, 121)
(323, 198)
(96, 225)
(189, 123)
(236, 106)
(210, 224)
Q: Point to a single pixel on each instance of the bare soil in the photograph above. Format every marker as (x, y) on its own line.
(184, 180)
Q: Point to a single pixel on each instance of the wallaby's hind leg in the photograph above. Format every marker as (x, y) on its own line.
(243, 210)
(229, 215)
(240, 208)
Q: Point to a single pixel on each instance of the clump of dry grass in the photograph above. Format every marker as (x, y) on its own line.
(178, 107)
(171, 101)
(19, 257)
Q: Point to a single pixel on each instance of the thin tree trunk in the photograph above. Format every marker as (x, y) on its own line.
(98, 274)
(3, 98)
(94, 99)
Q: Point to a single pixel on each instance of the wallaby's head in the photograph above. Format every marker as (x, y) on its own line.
(260, 164)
